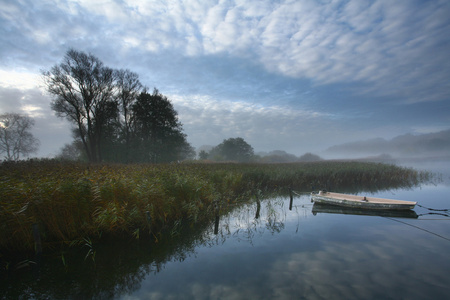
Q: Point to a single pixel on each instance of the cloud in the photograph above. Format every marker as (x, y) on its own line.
(356, 62)
(344, 270)
(338, 261)
(52, 132)
(18, 80)
(207, 122)
(382, 43)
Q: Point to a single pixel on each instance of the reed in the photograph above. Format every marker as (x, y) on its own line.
(74, 202)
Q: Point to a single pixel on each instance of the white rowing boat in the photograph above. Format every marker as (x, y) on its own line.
(361, 202)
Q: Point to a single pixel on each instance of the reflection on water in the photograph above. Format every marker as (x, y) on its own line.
(331, 209)
(263, 250)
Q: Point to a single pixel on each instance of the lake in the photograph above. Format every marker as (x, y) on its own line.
(265, 251)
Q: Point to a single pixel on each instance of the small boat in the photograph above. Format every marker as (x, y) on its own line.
(361, 202)
(333, 209)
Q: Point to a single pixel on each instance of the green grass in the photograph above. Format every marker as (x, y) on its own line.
(72, 202)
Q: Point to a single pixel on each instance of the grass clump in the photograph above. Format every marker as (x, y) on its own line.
(72, 202)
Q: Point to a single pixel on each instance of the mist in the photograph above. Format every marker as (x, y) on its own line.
(407, 146)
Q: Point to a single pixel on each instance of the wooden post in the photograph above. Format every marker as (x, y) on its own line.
(258, 207)
(37, 239)
(216, 224)
(291, 198)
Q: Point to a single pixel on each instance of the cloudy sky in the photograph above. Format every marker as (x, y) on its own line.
(298, 76)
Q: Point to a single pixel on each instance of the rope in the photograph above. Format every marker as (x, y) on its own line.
(417, 227)
(439, 214)
(445, 209)
(294, 192)
(432, 219)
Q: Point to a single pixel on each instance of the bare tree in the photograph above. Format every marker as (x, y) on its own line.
(16, 139)
(83, 88)
(108, 110)
(128, 89)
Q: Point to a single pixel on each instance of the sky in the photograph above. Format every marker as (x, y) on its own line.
(298, 76)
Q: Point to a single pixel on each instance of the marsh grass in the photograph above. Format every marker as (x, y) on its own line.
(73, 203)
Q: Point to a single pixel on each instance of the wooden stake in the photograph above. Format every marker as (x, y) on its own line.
(291, 198)
(216, 225)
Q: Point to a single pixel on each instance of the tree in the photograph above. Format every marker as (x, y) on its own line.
(235, 149)
(83, 88)
(157, 133)
(203, 155)
(16, 140)
(128, 89)
(72, 151)
(309, 157)
(114, 117)
(278, 156)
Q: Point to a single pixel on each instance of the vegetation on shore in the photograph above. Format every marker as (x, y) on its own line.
(72, 203)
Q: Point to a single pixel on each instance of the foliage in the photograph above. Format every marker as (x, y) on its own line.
(157, 133)
(72, 151)
(16, 140)
(309, 157)
(83, 89)
(114, 117)
(233, 149)
(203, 155)
(280, 156)
(72, 202)
(277, 156)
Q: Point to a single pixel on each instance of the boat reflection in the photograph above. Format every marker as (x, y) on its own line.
(332, 209)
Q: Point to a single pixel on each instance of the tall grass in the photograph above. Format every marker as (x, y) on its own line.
(71, 202)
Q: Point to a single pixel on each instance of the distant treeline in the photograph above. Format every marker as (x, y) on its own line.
(279, 156)
(431, 144)
(238, 150)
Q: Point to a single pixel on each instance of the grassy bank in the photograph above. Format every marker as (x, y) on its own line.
(71, 203)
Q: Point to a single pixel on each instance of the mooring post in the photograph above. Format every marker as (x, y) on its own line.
(216, 224)
(291, 198)
(37, 239)
(217, 218)
(258, 207)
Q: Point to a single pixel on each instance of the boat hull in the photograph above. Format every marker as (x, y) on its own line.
(361, 202)
(334, 209)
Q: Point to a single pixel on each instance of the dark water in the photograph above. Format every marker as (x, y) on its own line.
(269, 252)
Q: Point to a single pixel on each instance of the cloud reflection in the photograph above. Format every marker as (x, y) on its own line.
(344, 257)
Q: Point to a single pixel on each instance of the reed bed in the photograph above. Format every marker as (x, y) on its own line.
(73, 202)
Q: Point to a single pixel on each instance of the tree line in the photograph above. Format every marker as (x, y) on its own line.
(114, 117)
(238, 150)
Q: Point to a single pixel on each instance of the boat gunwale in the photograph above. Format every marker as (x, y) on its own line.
(363, 202)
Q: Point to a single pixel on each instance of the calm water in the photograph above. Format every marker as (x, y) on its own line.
(269, 252)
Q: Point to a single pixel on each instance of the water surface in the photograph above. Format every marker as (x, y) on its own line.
(265, 252)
